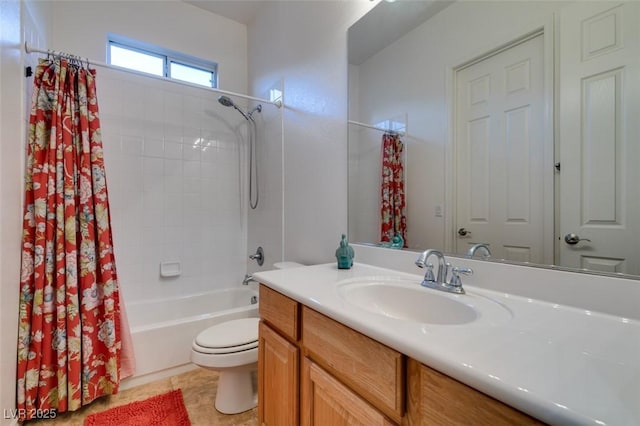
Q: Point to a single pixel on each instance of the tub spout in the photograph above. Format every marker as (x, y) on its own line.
(248, 279)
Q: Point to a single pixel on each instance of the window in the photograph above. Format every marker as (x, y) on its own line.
(134, 55)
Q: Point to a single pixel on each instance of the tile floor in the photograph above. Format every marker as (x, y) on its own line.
(198, 390)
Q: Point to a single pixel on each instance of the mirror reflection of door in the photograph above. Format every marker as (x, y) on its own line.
(599, 147)
(499, 117)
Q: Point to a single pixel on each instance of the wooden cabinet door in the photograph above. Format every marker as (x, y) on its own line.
(278, 367)
(370, 369)
(326, 401)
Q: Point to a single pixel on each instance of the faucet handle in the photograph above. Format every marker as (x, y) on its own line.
(258, 256)
(455, 275)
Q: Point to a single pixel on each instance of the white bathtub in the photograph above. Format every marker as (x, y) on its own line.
(163, 329)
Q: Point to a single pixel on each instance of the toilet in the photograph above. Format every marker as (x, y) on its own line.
(231, 348)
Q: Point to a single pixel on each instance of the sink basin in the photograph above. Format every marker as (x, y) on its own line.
(405, 299)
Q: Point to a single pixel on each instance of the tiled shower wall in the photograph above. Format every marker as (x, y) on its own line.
(176, 170)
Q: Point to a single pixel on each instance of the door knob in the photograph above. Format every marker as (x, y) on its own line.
(463, 232)
(573, 239)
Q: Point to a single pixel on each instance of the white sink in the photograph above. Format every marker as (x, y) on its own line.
(405, 299)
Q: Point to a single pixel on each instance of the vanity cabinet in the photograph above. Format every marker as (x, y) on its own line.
(315, 371)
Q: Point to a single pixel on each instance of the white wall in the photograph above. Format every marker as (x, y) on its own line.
(81, 28)
(175, 157)
(265, 222)
(409, 76)
(305, 45)
(10, 172)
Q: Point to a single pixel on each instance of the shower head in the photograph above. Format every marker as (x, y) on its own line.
(226, 101)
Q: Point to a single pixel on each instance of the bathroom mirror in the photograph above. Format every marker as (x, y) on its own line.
(519, 127)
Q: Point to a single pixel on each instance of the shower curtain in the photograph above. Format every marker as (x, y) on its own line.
(392, 206)
(69, 337)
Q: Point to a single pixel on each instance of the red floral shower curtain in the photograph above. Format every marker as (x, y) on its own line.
(69, 326)
(392, 207)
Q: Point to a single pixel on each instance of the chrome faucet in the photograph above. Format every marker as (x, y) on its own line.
(480, 246)
(248, 279)
(439, 282)
(421, 261)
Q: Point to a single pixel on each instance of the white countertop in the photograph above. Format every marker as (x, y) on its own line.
(560, 364)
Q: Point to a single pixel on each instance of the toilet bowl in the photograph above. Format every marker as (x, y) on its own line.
(231, 348)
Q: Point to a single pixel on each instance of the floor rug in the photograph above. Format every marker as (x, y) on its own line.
(161, 410)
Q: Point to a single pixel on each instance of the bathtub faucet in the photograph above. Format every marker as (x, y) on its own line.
(248, 279)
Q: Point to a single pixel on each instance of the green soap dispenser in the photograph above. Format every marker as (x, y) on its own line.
(345, 254)
(397, 241)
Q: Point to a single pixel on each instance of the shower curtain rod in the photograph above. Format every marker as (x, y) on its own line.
(382, 129)
(30, 49)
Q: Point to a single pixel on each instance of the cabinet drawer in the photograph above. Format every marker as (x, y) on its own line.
(371, 369)
(280, 312)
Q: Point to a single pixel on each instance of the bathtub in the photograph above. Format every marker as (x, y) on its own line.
(162, 329)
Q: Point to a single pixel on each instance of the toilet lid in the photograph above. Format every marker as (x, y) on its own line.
(229, 334)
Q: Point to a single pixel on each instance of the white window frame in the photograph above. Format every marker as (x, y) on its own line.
(168, 57)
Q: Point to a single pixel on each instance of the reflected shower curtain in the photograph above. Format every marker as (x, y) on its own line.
(69, 339)
(392, 206)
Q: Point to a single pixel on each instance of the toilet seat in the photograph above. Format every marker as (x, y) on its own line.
(222, 351)
(228, 337)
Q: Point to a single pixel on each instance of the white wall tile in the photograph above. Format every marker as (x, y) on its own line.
(191, 152)
(131, 146)
(172, 208)
(153, 147)
(192, 185)
(153, 100)
(154, 236)
(153, 207)
(190, 169)
(172, 167)
(172, 150)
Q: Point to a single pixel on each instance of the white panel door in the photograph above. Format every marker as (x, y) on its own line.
(599, 145)
(500, 199)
